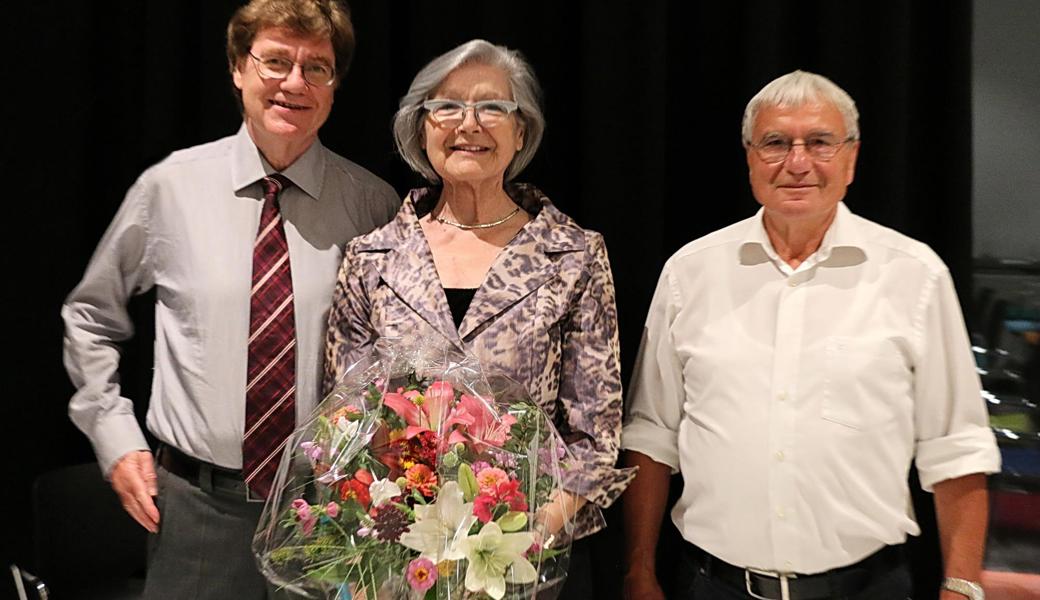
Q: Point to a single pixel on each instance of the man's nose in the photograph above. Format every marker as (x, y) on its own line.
(798, 159)
(294, 81)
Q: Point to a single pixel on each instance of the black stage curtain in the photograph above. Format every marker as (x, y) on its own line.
(643, 100)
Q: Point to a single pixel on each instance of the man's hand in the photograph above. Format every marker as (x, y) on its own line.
(133, 479)
(642, 585)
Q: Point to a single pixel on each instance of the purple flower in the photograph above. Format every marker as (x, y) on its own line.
(390, 523)
(312, 450)
(503, 459)
(547, 457)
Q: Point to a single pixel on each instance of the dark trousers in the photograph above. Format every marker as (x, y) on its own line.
(693, 583)
(204, 546)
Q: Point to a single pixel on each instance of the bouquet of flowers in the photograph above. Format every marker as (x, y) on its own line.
(418, 477)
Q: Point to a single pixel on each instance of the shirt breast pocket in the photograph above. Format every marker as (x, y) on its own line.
(866, 381)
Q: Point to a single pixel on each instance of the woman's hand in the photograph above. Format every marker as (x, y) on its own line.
(560, 509)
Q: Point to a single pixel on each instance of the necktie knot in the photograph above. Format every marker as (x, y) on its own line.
(273, 185)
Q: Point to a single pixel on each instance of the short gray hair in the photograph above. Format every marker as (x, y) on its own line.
(408, 122)
(796, 89)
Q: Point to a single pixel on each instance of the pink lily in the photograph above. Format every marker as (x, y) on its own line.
(435, 411)
(486, 427)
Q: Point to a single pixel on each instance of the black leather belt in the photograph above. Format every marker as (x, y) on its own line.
(206, 476)
(838, 582)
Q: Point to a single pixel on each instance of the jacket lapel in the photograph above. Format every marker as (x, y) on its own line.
(408, 269)
(526, 263)
(529, 261)
(519, 270)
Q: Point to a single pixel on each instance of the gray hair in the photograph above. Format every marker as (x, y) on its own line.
(408, 122)
(796, 89)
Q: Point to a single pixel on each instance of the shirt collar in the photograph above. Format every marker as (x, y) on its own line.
(842, 245)
(248, 165)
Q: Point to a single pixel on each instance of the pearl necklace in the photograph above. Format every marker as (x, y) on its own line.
(489, 225)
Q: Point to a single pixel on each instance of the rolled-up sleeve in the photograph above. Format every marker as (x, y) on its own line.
(656, 393)
(953, 434)
(590, 384)
(96, 321)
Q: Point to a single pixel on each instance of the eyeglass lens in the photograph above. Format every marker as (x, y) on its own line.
(280, 68)
(488, 113)
(777, 149)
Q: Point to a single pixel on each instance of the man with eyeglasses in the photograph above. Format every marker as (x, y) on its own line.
(242, 239)
(792, 367)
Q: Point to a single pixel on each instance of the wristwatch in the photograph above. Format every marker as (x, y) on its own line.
(969, 589)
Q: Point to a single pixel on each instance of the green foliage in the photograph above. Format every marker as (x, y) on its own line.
(512, 521)
(467, 482)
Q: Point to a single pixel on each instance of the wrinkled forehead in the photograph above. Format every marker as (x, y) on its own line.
(475, 81)
(284, 40)
(813, 115)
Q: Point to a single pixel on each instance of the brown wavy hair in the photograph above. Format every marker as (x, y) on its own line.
(306, 18)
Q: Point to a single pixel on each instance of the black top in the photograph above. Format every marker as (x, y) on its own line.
(458, 301)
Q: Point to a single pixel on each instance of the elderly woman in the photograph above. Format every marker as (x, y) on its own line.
(493, 265)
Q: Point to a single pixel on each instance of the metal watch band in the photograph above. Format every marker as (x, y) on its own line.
(970, 589)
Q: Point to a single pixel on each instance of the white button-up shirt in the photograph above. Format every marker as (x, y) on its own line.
(187, 228)
(793, 400)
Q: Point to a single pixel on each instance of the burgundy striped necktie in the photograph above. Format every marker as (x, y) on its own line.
(271, 380)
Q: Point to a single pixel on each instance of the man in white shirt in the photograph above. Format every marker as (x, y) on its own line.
(792, 367)
(190, 228)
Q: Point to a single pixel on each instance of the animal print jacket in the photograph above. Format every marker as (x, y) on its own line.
(544, 316)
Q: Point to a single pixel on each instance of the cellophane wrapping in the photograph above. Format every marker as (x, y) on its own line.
(420, 477)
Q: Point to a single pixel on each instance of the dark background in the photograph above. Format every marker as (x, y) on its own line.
(643, 101)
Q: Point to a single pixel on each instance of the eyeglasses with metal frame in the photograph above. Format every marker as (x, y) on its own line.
(278, 67)
(451, 113)
(775, 149)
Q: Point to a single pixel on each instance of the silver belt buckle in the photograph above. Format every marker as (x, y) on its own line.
(785, 593)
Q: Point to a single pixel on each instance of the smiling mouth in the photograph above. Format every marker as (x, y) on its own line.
(469, 148)
(288, 105)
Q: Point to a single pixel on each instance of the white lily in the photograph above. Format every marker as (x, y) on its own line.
(382, 490)
(347, 427)
(495, 557)
(440, 527)
(344, 430)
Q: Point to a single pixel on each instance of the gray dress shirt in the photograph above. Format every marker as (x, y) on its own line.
(187, 228)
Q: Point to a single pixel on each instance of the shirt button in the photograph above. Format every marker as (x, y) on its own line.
(788, 565)
(780, 513)
(780, 455)
(781, 396)
(792, 282)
